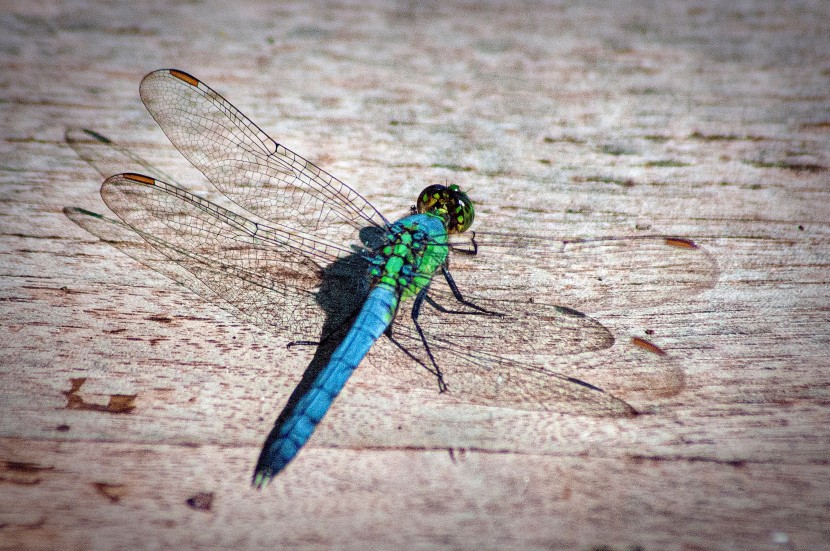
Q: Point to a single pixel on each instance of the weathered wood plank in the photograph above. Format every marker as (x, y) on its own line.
(123, 396)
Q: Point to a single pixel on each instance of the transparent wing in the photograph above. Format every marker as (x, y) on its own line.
(522, 328)
(613, 273)
(539, 351)
(280, 277)
(477, 376)
(251, 169)
(267, 276)
(270, 278)
(569, 362)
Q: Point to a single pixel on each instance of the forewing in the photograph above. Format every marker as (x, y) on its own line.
(590, 274)
(249, 167)
(268, 277)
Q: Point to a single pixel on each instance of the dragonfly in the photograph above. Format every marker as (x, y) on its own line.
(310, 259)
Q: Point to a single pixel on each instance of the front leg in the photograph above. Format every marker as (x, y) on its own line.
(460, 298)
(471, 251)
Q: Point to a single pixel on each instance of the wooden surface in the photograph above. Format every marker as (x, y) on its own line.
(132, 412)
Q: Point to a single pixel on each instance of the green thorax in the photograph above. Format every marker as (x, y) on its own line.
(416, 246)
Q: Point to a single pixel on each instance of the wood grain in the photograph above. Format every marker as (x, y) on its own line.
(132, 412)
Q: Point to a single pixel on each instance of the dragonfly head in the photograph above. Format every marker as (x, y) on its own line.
(450, 203)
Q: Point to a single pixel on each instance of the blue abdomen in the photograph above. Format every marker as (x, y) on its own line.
(294, 432)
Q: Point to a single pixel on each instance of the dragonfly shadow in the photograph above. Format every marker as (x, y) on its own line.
(343, 290)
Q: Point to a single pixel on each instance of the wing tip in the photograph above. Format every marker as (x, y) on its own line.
(185, 77)
(681, 243)
(95, 135)
(73, 211)
(620, 407)
(648, 346)
(176, 73)
(569, 311)
(140, 178)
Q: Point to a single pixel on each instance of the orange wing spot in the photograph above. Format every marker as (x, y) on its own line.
(680, 243)
(645, 345)
(193, 81)
(140, 178)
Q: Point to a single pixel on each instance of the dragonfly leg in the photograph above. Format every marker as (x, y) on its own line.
(416, 311)
(302, 343)
(343, 325)
(416, 359)
(471, 252)
(460, 298)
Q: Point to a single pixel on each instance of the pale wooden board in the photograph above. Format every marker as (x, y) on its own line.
(707, 122)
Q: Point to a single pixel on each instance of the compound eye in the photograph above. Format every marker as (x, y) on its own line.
(449, 202)
(462, 214)
(430, 198)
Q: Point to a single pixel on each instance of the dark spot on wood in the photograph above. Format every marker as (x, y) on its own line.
(796, 167)
(616, 150)
(160, 318)
(113, 492)
(453, 167)
(737, 463)
(121, 403)
(39, 523)
(569, 311)
(665, 163)
(118, 403)
(563, 139)
(22, 473)
(25, 467)
(202, 501)
(62, 428)
(724, 137)
(583, 383)
(805, 167)
(628, 182)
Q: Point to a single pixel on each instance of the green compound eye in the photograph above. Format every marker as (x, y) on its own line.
(442, 200)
